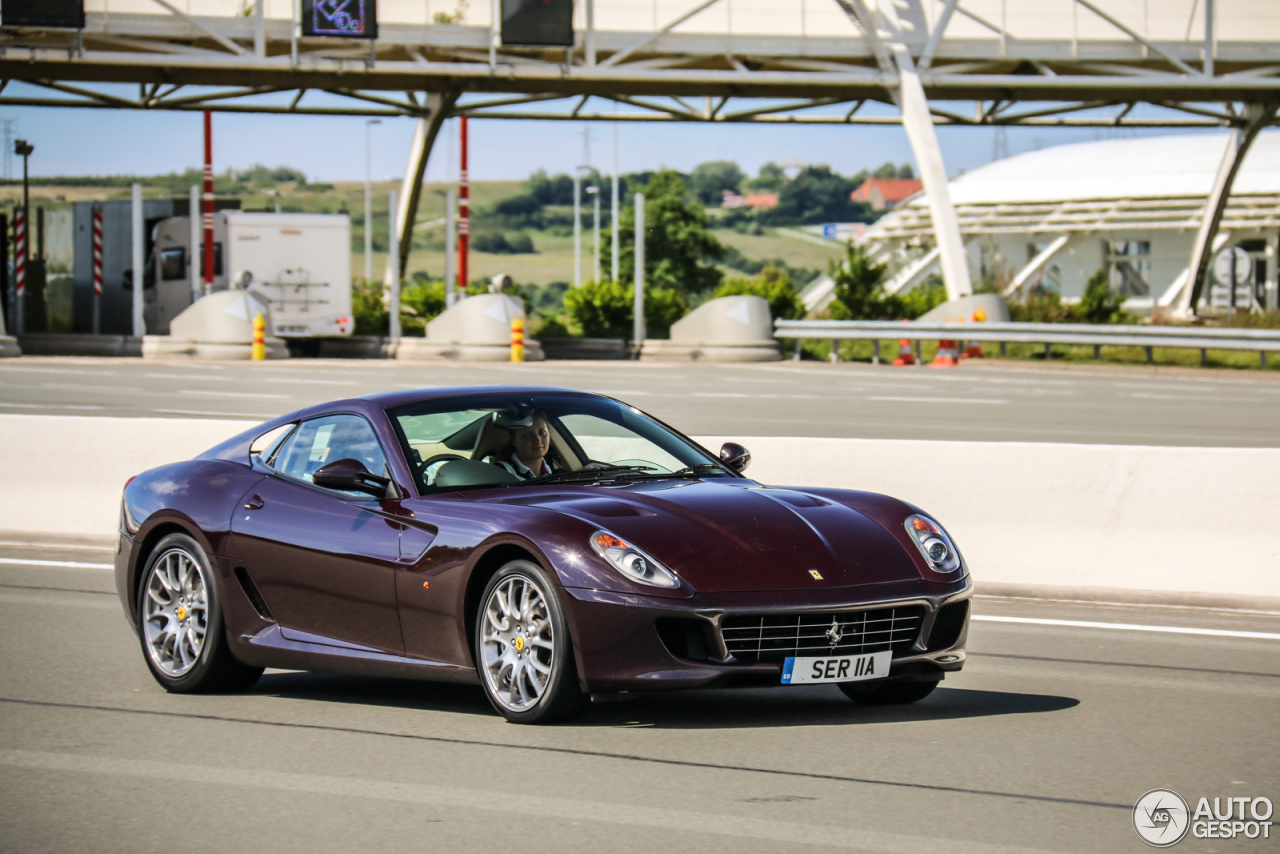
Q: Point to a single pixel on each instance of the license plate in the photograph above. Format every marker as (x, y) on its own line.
(836, 668)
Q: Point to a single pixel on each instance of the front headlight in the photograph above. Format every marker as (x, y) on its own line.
(632, 562)
(933, 542)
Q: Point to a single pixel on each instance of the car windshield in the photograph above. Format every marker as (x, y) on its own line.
(512, 440)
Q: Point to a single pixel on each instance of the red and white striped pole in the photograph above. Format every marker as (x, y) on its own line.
(464, 212)
(19, 266)
(97, 270)
(208, 202)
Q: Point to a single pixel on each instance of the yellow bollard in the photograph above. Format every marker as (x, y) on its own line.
(259, 352)
(517, 339)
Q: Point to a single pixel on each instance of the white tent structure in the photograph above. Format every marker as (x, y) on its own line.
(1132, 206)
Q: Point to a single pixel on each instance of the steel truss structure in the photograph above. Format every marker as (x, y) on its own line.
(896, 53)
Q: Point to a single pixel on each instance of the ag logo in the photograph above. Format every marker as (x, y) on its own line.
(1161, 817)
(519, 644)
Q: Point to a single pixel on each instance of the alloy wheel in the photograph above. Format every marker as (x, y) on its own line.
(175, 612)
(518, 643)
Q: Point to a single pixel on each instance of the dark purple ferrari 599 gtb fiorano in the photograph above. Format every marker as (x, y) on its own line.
(549, 545)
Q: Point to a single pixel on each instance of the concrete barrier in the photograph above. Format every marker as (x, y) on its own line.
(1112, 523)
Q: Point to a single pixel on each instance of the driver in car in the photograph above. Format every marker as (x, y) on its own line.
(529, 457)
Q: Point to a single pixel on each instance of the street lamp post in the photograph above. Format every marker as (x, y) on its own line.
(368, 202)
(594, 192)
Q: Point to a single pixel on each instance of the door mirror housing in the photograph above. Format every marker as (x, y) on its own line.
(735, 456)
(351, 476)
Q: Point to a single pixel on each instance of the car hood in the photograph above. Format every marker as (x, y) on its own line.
(737, 535)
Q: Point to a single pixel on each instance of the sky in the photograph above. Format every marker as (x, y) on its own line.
(110, 142)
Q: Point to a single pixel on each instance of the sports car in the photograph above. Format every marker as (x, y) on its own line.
(551, 546)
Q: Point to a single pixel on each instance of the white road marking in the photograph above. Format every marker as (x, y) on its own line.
(207, 393)
(48, 406)
(86, 387)
(312, 382)
(787, 833)
(938, 399)
(1129, 627)
(187, 377)
(74, 564)
(58, 602)
(231, 416)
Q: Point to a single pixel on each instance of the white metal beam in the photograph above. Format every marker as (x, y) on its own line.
(913, 274)
(654, 36)
(218, 37)
(1238, 143)
(424, 137)
(1038, 262)
(918, 123)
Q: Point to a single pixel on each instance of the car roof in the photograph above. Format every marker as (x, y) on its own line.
(393, 399)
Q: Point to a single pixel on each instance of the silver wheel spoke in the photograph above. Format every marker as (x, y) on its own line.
(518, 646)
(175, 585)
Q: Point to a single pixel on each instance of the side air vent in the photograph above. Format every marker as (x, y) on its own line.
(684, 638)
(251, 590)
(948, 625)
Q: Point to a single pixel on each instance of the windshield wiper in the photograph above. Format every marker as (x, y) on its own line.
(687, 471)
(604, 472)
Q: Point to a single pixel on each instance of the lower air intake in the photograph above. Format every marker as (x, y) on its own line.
(948, 625)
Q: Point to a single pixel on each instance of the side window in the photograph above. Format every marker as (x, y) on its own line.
(323, 440)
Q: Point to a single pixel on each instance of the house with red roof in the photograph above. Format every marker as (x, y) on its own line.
(886, 193)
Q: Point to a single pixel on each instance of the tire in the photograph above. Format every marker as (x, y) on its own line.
(180, 623)
(887, 693)
(523, 652)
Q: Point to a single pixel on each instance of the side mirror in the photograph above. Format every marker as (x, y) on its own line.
(351, 476)
(735, 456)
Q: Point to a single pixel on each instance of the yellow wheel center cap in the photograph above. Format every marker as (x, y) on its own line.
(519, 644)
(182, 612)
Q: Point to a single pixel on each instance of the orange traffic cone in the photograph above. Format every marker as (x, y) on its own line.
(946, 357)
(905, 355)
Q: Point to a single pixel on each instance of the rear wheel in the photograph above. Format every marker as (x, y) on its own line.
(523, 650)
(887, 693)
(180, 623)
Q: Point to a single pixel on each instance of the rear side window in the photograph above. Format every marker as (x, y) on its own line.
(323, 440)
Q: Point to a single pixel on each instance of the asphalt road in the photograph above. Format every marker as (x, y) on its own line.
(976, 402)
(1043, 742)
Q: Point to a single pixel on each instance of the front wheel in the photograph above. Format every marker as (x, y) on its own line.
(887, 693)
(180, 623)
(523, 650)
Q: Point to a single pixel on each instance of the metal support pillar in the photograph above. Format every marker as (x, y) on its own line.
(589, 44)
(259, 29)
(1273, 275)
(424, 138)
(1238, 142)
(918, 123)
(577, 227)
(393, 276)
(637, 326)
(138, 240)
(194, 231)
(450, 235)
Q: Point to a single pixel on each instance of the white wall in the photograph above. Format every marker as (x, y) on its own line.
(1195, 521)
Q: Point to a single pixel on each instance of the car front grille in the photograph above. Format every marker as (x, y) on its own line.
(774, 637)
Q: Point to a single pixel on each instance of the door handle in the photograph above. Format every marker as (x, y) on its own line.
(254, 503)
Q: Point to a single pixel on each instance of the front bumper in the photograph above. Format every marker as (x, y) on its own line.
(619, 648)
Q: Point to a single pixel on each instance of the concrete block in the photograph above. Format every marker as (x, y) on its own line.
(474, 329)
(729, 329)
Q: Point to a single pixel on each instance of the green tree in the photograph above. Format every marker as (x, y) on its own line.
(711, 179)
(605, 309)
(859, 288)
(774, 286)
(678, 244)
(770, 179)
(1099, 304)
(818, 194)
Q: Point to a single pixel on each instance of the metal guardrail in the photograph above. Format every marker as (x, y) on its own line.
(1184, 337)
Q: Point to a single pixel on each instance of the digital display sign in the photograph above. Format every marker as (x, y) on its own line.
(349, 19)
(537, 23)
(42, 13)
